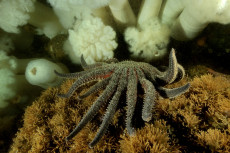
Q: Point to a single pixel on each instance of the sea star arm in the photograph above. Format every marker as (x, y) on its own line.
(85, 66)
(71, 75)
(111, 109)
(91, 76)
(171, 74)
(109, 90)
(149, 96)
(112, 60)
(131, 98)
(180, 74)
(151, 72)
(149, 99)
(174, 92)
(99, 85)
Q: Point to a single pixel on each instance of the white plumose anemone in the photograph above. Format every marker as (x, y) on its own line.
(92, 39)
(149, 42)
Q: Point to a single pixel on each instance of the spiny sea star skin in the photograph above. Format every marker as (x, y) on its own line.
(115, 77)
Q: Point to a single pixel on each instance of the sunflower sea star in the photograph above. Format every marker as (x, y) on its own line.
(115, 77)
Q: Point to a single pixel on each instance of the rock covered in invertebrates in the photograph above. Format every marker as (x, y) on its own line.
(152, 138)
(200, 119)
(50, 119)
(197, 121)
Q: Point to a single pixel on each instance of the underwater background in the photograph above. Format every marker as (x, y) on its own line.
(33, 117)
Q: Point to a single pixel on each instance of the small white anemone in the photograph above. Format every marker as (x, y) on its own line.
(40, 72)
(92, 39)
(149, 42)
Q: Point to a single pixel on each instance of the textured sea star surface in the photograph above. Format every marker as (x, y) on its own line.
(116, 77)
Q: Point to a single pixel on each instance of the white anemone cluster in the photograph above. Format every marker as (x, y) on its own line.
(188, 18)
(18, 77)
(14, 13)
(148, 40)
(12, 81)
